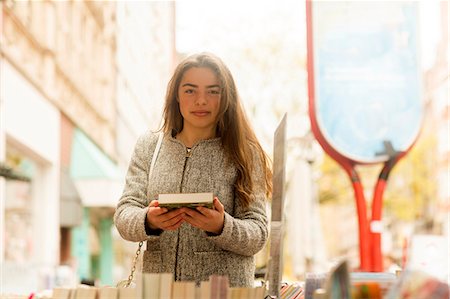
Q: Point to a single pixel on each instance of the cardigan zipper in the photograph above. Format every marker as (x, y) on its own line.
(188, 154)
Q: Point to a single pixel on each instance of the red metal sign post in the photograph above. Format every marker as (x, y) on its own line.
(337, 88)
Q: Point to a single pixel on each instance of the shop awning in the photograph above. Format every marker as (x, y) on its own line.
(89, 161)
(71, 208)
(11, 174)
(96, 177)
(99, 192)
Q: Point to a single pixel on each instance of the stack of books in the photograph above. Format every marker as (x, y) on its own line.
(291, 291)
(339, 284)
(418, 285)
(155, 286)
(162, 286)
(80, 292)
(371, 284)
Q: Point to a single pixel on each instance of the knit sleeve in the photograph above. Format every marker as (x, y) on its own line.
(131, 211)
(246, 231)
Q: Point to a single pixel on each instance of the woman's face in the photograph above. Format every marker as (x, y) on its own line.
(199, 98)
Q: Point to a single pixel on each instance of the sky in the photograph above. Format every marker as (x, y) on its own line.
(215, 25)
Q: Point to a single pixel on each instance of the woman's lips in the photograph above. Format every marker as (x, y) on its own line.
(200, 113)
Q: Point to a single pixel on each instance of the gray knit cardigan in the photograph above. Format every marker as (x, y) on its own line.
(188, 252)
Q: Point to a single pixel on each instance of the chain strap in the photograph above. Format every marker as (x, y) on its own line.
(133, 268)
(127, 282)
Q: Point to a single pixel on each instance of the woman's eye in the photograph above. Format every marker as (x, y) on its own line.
(189, 91)
(215, 92)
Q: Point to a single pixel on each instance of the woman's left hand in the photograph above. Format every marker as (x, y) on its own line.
(210, 220)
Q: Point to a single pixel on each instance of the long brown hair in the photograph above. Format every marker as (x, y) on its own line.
(237, 136)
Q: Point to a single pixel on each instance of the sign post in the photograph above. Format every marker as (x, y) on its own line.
(364, 95)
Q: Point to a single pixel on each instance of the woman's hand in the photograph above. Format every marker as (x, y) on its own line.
(162, 218)
(210, 220)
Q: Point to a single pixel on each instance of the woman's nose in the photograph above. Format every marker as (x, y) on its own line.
(201, 98)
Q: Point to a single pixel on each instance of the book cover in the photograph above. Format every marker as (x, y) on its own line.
(190, 200)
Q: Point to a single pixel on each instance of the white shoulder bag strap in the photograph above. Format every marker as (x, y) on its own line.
(126, 283)
(155, 154)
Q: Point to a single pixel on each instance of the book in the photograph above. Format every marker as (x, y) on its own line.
(244, 293)
(108, 293)
(151, 283)
(219, 286)
(83, 292)
(337, 284)
(224, 287)
(190, 200)
(215, 286)
(235, 293)
(183, 290)
(259, 292)
(128, 293)
(61, 293)
(165, 285)
(189, 290)
(366, 280)
(177, 290)
(205, 290)
(418, 284)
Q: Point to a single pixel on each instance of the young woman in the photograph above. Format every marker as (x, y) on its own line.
(208, 146)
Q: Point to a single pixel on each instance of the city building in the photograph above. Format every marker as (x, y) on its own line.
(80, 80)
(145, 58)
(437, 96)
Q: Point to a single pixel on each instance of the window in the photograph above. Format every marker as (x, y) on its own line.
(19, 240)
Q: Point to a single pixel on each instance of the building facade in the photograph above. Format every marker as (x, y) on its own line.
(437, 96)
(145, 58)
(70, 86)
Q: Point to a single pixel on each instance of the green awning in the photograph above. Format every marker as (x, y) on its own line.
(88, 161)
(97, 179)
(71, 208)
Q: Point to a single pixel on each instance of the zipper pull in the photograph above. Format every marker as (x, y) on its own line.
(188, 152)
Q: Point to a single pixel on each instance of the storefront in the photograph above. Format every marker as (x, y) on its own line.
(99, 184)
(30, 146)
(61, 212)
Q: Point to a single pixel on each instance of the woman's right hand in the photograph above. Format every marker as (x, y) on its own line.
(162, 218)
